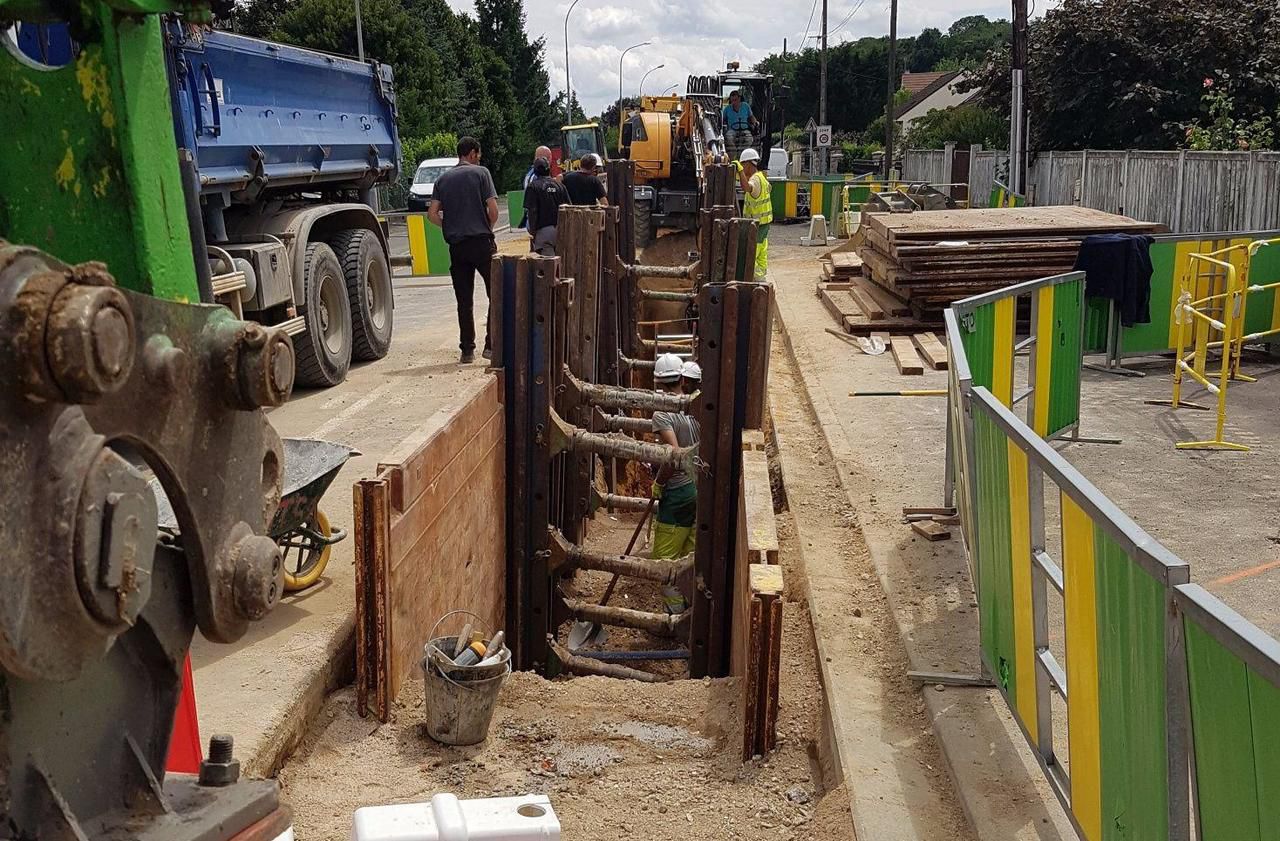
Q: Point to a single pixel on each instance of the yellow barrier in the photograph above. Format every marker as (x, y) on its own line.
(1186, 313)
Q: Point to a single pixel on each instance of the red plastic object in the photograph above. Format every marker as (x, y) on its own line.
(185, 750)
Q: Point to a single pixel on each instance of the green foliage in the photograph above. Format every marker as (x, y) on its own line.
(857, 70)
(1225, 127)
(455, 74)
(1114, 74)
(964, 125)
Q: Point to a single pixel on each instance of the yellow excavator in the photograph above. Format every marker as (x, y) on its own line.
(671, 139)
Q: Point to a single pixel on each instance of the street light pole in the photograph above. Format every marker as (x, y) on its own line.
(359, 33)
(568, 86)
(620, 58)
(646, 76)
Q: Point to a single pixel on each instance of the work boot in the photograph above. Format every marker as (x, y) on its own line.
(468, 356)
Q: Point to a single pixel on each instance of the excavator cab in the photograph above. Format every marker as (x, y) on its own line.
(580, 140)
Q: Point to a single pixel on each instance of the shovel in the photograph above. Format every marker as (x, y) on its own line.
(591, 633)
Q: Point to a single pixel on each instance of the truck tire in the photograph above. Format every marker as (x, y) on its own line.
(324, 350)
(643, 222)
(368, 275)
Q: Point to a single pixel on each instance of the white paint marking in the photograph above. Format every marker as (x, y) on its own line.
(337, 420)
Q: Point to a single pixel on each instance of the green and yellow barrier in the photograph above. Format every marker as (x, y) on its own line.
(1002, 196)
(427, 247)
(515, 207)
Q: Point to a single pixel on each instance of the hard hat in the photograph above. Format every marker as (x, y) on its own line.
(667, 368)
(691, 371)
(749, 154)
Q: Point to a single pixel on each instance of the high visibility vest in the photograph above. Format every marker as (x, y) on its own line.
(759, 208)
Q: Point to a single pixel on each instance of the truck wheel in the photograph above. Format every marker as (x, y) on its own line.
(368, 276)
(643, 217)
(324, 351)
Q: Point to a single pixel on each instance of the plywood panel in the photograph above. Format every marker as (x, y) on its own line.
(761, 527)
(439, 546)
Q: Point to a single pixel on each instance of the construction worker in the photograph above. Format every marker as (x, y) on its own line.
(674, 488)
(739, 123)
(757, 204)
(543, 199)
(690, 377)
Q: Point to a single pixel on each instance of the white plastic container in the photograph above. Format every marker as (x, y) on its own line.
(446, 818)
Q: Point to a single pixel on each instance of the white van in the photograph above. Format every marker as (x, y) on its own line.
(429, 171)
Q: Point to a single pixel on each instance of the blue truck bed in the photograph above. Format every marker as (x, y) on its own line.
(268, 118)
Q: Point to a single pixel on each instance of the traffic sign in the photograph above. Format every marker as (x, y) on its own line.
(811, 126)
(822, 137)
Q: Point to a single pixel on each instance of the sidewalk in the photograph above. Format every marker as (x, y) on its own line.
(889, 453)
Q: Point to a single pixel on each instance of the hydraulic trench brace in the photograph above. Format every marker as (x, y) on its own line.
(615, 397)
(561, 660)
(567, 438)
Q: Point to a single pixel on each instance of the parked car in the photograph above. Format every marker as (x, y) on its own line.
(424, 180)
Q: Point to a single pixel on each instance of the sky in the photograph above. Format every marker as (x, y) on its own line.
(699, 36)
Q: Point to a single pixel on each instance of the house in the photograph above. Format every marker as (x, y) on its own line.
(929, 92)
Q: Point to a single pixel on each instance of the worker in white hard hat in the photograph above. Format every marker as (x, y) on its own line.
(691, 377)
(757, 204)
(674, 487)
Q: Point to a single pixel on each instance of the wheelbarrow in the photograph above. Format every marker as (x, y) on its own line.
(299, 527)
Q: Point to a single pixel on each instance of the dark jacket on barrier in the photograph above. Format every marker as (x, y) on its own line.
(1118, 267)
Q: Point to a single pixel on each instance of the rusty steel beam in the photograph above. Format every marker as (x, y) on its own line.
(674, 272)
(658, 624)
(673, 297)
(565, 437)
(639, 399)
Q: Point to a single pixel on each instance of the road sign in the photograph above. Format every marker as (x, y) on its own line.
(822, 137)
(811, 126)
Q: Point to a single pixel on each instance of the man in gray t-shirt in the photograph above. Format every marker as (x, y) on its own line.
(464, 204)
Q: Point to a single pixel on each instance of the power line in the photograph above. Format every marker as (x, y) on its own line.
(812, 9)
(847, 18)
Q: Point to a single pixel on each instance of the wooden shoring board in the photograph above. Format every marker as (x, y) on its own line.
(839, 304)
(446, 549)
(869, 306)
(753, 439)
(904, 356)
(1002, 222)
(860, 326)
(835, 285)
(761, 527)
(759, 660)
(932, 349)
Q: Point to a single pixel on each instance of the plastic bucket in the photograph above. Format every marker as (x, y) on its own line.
(459, 711)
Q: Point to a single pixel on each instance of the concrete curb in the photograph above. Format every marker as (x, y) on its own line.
(336, 670)
(953, 714)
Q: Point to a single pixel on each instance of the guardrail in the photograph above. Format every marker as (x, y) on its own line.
(1172, 699)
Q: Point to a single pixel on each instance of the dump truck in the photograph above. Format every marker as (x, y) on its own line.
(283, 147)
(288, 145)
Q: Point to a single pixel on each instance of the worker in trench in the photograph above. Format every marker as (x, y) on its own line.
(757, 204)
(674, 487)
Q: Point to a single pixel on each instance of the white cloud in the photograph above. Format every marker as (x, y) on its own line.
(699, 36)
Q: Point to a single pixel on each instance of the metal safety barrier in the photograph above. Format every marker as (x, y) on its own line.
(1172, 699)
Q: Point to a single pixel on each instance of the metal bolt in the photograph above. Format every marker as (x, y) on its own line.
(116, 525)
(166, 366)
(89, 341)
(264, 366)
(220, 767)
(259, 576)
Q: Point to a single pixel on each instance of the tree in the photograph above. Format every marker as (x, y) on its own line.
(856, 70)
(610, 115)
(1113, 74)
(391, 35)
(964, 125)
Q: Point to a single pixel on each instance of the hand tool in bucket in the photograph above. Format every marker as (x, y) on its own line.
(460, 699)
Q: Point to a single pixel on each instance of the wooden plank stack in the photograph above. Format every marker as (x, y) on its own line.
(933, 259)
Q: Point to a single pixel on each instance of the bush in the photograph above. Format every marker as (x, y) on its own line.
(964, 125)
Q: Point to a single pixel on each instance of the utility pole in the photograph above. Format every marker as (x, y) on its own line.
(891, 88)
(822, 84)
(359, 33)
(1018, 103)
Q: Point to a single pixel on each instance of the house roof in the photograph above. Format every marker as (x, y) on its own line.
(915, 82)
(939, 81)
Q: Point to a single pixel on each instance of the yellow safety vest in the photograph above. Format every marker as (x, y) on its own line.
(758, 208)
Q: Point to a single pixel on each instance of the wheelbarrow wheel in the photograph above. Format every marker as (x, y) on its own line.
(305, 557)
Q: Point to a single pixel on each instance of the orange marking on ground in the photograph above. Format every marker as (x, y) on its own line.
(1245, 573)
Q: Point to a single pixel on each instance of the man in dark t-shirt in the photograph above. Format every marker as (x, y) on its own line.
(464, 204)
(542, 200)
(584, 184)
